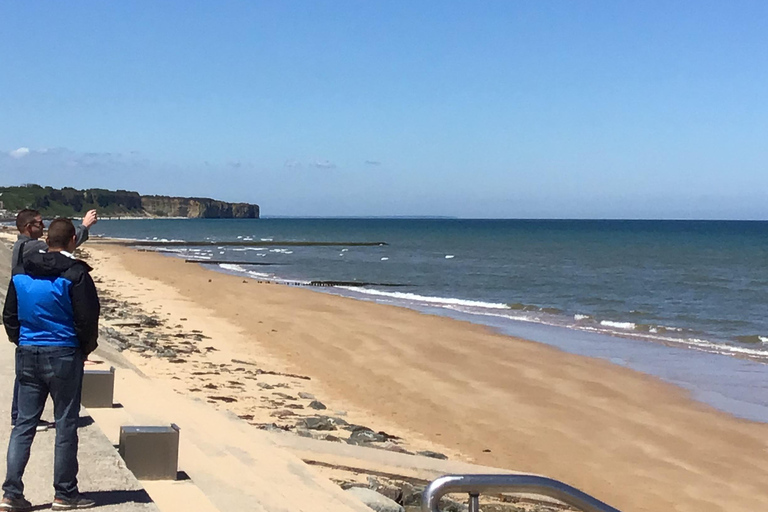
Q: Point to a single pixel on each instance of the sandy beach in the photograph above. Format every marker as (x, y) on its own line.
(430, 383)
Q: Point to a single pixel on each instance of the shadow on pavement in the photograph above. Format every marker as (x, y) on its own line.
(84, 421)
(103, 498)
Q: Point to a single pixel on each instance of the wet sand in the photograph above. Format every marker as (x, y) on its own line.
(635, 442)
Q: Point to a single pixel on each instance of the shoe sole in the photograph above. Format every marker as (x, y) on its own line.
(70, 507)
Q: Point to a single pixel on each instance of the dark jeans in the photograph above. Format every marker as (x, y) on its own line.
(40, 371)
(15, 402)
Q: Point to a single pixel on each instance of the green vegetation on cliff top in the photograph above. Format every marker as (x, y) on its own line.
(70, 202)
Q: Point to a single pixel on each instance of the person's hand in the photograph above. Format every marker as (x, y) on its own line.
(90, 218)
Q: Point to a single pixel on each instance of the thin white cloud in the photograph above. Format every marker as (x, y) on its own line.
(292, 164)
(372, 162)
(19, 153)
(324, 164)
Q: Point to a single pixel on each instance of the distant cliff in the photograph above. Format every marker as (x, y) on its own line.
(197, 207)
(70, 202)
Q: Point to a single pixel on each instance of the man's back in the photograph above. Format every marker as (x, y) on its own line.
(44, 300)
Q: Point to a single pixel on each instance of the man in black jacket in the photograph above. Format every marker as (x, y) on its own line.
(30, 226)
(51, 312)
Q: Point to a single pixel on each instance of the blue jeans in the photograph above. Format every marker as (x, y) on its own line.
(40, 371)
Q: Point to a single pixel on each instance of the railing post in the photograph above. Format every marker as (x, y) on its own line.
(474, 502)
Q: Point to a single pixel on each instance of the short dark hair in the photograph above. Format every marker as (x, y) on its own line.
(60, 233)
(24, 217)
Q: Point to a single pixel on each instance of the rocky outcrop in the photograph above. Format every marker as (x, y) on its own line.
(197, 207)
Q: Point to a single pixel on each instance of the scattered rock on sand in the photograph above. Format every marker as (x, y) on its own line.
(374, 500)
(434, 455)
(363, 435)
(319, 423)
(314, 404)
(306, 396)
(411, 495)
(227, 399)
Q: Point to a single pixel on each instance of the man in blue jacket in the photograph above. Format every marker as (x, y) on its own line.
(51, 312)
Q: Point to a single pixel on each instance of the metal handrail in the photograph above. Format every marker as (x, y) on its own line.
(474, 485)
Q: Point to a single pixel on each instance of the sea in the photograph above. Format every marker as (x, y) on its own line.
(685, 301)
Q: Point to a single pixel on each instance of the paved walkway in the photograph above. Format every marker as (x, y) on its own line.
(103, 475)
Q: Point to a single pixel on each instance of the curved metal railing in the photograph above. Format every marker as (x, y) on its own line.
(474, 485)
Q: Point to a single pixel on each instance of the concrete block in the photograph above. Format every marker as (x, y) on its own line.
(151, 453)
(98, 388)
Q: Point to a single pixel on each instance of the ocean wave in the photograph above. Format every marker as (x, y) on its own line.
(720, 348)
(425, 298)
(619, 325)
(753, 339)
(579, 317)
(232, 267)
(519, 306)
(259, 275)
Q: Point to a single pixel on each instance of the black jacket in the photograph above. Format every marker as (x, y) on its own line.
(31, 247)
(53, 302)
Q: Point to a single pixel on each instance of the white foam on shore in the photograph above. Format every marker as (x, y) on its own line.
(232, 267)
(619, 325)
(579, 316)
(425, 298)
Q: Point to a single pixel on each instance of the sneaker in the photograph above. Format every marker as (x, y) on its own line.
(15, 504)
(42, 426)
(75, 503)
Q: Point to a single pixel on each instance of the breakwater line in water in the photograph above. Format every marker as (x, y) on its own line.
(239, 243)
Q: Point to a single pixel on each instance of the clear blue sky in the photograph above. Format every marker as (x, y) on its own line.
(474, 109)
